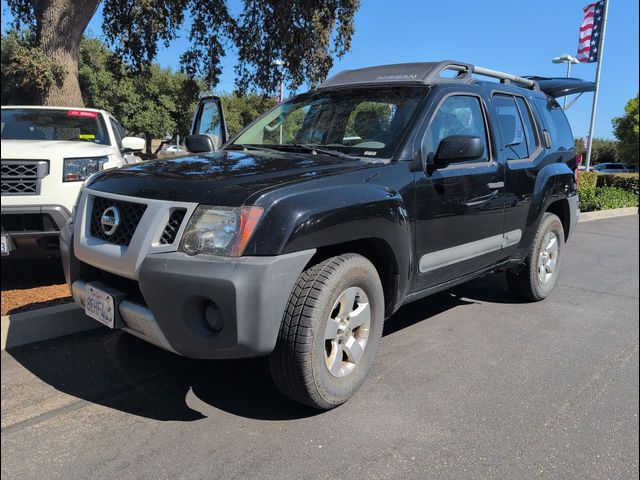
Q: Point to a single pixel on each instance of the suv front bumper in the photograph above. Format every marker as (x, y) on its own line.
(34, 229)
(201, 306)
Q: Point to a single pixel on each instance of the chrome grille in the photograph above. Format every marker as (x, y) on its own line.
(130, 215)
(22, 177)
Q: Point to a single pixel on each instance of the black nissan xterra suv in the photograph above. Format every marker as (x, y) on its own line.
(303, 233)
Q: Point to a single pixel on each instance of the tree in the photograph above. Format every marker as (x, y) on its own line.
(626, 130)
(27, 73)
(59, 26)
(239, 110)
(154, 102)
(306, 34)
(602, 151)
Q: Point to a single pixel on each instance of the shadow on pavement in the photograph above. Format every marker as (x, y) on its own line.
(24, 273)
(119, 371)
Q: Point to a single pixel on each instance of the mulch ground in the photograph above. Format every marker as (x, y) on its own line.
(28, 284)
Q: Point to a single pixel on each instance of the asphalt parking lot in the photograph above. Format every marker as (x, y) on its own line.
(467, 384)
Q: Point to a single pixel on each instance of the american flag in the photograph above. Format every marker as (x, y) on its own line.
(590, 33)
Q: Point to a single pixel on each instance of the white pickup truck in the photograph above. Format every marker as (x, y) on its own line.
(47, 153)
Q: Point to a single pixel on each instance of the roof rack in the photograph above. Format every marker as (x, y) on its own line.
(423, 73)
(488, 72)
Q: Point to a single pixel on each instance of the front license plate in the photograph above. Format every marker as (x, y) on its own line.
(100, 306)
(5, 245)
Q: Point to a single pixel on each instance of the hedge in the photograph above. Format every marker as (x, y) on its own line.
(587, 180)
(625, 181)
(606, 191)
(606, 198)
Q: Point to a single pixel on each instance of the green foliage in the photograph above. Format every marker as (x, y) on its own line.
(306, 35)
(602, 192)
(626, 181)
(239, 110)
(602, 150)
(626, 130)
(587, 180)
(27, 73)
(606, 198)
(154, 102)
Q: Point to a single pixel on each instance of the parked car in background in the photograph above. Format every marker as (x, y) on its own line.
(611, 167)
(47, 153)
(171, 150)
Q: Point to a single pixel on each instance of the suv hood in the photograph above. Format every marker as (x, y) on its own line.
(226, 178)
(48, 149)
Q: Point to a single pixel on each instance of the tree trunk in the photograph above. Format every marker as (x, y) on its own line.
(148, 137)
(60, 27)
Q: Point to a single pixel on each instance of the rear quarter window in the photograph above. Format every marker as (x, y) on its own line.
(556, 124)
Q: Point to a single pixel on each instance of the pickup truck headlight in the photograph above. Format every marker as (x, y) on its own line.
(220, 230)
(79, 169)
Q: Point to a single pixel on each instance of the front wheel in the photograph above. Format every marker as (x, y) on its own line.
(536, 279)
(330, 332)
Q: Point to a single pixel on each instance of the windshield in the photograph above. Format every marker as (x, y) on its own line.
(44, 124)
(367, 122)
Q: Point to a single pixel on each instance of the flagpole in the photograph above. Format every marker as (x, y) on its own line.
(595, 93)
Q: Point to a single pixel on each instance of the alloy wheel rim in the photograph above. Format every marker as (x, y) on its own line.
(347, 331)
(548, 258)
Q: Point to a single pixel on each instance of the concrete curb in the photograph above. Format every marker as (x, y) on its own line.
(602, 214)
(44, 324)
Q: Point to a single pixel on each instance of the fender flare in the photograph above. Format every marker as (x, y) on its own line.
(333, 215)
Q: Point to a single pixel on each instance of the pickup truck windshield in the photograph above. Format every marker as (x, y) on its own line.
(362, 121)
(45, 124)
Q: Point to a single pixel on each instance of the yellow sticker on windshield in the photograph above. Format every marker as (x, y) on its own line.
(87, 136)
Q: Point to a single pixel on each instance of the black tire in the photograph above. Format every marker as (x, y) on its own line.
(298, 364)
(526, 283)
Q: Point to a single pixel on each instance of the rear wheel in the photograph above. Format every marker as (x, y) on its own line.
(330, 332)
(540, 274)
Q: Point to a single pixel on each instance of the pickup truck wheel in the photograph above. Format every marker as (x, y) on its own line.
(330, 332)
(540, 273)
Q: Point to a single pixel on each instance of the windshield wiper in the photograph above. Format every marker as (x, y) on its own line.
(243, 146)
(315, 150)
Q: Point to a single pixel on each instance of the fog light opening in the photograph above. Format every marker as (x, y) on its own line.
(213, 316)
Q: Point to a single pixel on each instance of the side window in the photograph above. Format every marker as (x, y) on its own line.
(118, 132)
(527, 120)
(210, 122)
(512, 130)
(458, 115)
(556, 123)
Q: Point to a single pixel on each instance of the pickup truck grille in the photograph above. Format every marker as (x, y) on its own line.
(22, 177)
(130, 215)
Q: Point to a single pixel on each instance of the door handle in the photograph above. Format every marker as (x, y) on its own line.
(495, 185)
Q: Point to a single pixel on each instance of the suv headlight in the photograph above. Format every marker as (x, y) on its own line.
(220, 230)
(79, 169)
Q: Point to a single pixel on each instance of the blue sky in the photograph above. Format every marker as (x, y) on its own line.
(517, 36)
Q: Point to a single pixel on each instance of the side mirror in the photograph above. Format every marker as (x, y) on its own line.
(199, 143)
(133, 144)
(458, 148)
